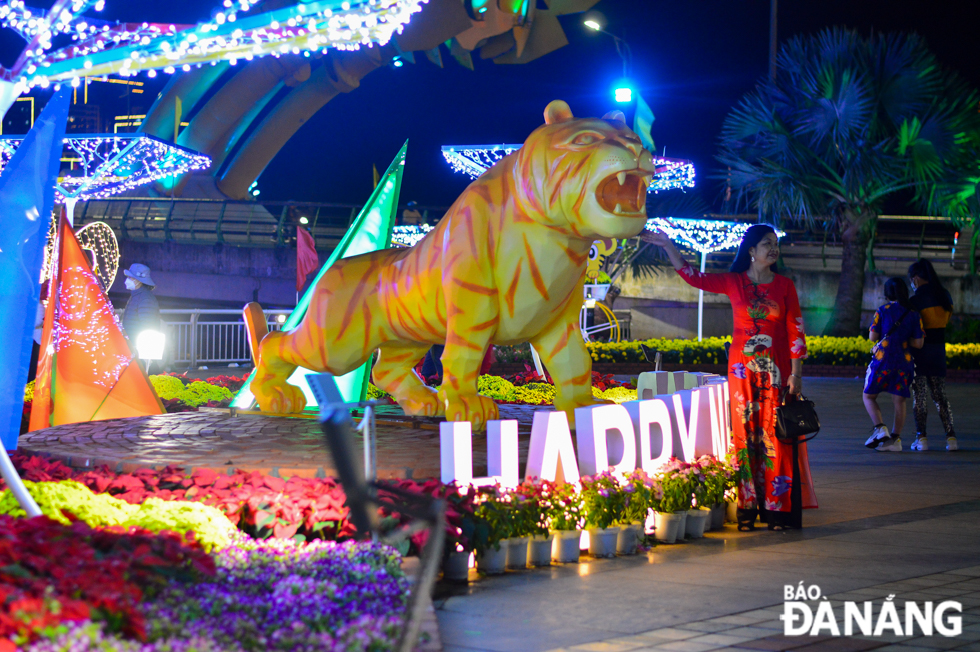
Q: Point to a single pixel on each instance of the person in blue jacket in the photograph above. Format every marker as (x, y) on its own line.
(142, 311)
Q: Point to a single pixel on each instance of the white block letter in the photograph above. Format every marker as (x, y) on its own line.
(502, 461)
(551, 442)
(456, 452)
(596, 448)
(692, 418)
(651, 424)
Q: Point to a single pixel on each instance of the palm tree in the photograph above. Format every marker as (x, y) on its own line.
(846, 123)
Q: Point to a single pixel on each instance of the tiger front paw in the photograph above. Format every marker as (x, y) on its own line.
(475, 408)
(278, 396)
(419, 401)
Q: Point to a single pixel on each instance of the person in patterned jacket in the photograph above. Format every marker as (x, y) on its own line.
(894, 328)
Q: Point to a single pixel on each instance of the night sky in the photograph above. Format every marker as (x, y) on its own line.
(692, 61)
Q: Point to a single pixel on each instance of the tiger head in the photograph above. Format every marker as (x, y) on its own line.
(587, 177)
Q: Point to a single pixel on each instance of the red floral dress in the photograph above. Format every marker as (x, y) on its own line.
(768, 334)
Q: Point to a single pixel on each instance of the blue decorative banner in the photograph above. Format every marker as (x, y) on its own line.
(26, 201)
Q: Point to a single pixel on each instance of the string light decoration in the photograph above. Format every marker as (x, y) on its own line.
(704, 237)
(474, 160)
(112, 164)
(130, 48)
(672, 173)
(408, 235)
(95, 237)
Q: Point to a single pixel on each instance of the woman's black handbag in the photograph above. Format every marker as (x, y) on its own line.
(796, 420)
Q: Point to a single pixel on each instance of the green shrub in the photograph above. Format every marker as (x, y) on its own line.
(494, 387)
(58, 499)
(167, 387)
(200, 392)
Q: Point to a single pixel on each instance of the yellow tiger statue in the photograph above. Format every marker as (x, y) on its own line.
(505, 265)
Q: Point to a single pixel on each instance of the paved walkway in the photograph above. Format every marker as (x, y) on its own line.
(889, 523)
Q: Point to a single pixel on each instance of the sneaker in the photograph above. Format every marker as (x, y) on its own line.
(951, 444)
(890, 445)
(878, 435)
(920, 444)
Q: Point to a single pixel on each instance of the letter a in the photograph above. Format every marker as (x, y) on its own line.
(551, 443)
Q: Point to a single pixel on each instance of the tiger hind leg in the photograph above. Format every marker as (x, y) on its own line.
(394, 372)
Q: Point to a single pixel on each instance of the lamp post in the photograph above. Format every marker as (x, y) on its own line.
(595, 21)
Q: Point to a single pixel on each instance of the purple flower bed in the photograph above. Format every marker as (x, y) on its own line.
(281, 595)
(272, 594)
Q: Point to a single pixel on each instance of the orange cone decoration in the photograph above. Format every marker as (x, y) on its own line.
(86, 371)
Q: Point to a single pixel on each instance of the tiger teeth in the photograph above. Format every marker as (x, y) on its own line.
(621, 178)
(618, 209)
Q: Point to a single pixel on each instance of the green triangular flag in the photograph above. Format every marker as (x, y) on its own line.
(370, 231)
(642, 123)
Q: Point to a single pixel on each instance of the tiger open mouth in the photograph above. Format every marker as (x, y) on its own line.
(624, 193)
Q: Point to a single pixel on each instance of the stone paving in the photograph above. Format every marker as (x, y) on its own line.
(283, 446)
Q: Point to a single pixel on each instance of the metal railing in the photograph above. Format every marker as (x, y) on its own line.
(196, 337)
(214, 221)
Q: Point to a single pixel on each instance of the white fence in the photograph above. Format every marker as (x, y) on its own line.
(196, 337)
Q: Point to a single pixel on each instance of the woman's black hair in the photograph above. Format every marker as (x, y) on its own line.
(753, 236)
(897, 290)
(924, 270)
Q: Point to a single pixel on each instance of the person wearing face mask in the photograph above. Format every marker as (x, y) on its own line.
(934, 304)
(142, 311)
(765, 360)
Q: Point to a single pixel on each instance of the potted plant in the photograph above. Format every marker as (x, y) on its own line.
(460, 531)
(562, 509)
(494, 525)
(698, 514)
(715, 474)
(602, 499)
(671, 513)
(522, 513)
(732, 474)
(639, 493)
(535, 524)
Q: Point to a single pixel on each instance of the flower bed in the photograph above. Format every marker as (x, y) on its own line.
(261, 506)
(822, 350)
(51, 573)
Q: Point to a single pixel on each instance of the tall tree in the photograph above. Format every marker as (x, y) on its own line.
(847, 122)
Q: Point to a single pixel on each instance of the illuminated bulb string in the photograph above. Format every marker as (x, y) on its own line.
(703, 236)
(126, 49)
(474, 160)
(113, 164)
(408, 235)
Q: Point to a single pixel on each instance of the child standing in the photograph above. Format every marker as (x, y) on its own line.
(891, 367)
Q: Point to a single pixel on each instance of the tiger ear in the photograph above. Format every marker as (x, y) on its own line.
(609, 245)
(615, 115)
(557, 111)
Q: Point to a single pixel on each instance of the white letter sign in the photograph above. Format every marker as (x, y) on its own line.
(651, 424)
(551, 443)
(597, 445)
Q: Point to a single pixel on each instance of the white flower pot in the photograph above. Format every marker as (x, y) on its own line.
(493, 561)
(539, 550)
(717, 517)
(602, 541)
(696, 519)
(565, 545)
(628, 538)
(731, 511)
(666, 525)
(517, 552)
(456, 567)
